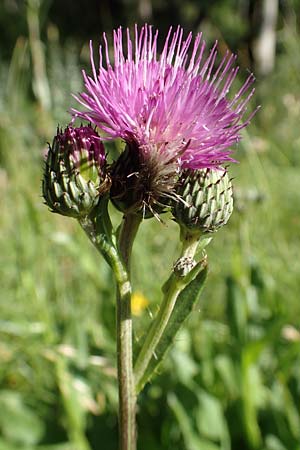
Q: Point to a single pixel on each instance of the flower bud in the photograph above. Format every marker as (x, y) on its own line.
(74, 176)
(205, 202)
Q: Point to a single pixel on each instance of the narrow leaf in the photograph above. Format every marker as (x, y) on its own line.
(182, 309)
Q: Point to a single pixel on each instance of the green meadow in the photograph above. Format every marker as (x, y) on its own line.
(232, 378)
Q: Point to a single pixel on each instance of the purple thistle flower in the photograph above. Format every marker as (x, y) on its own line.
(171, 105)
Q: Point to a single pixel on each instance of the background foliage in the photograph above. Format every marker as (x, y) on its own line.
(232, 378)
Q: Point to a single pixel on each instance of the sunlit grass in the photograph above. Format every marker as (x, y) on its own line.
(231, 380)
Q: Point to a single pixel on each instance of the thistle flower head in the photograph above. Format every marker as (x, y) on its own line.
(167, 100)
(174, 106)
(141, 183)
(74, 174)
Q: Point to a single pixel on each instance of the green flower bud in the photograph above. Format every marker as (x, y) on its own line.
(205, 200)
(74, 172)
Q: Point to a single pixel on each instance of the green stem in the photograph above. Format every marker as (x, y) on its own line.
(172, 290)
(99, 231)
(102, 242)
(128, 230)
(189, 244)
(127, 395)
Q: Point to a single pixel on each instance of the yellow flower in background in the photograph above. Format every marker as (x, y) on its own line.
(138, 303)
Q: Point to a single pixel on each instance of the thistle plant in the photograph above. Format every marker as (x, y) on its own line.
(178, 120)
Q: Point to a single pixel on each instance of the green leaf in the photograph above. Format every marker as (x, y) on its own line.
(252, 392)
(186, 366)
(183, 307)
(273, 443)
(191, 438)
(227, 372)
(209, 417)
(236, 311)
(283, 404)
(4, 445)
(18, 423)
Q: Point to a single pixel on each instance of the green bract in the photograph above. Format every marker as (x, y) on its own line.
(206, 201)
(74, 172)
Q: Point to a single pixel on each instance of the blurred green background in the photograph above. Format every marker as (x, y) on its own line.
(232, 379)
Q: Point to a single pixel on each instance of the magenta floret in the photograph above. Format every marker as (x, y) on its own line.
(174, 103)
(83, 138)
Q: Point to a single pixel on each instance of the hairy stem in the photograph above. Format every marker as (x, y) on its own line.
(98, 229)
(153, 336)
(127, 395)
(128, 230)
